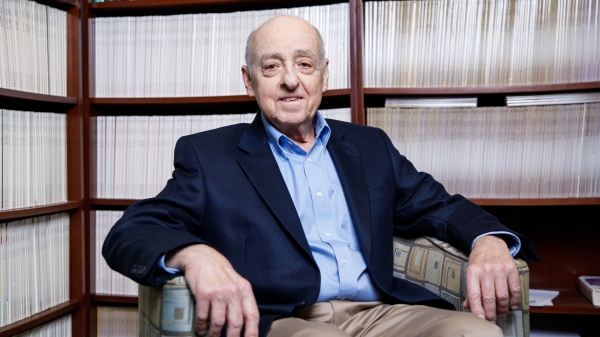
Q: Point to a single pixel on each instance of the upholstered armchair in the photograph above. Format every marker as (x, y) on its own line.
(169, 310)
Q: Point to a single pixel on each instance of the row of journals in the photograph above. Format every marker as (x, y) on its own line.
(198, 54)
(474, 43)
(501, 152)
(107, 280)
(33, 47)
(117, 322)
(35, 266)
(58, 327)
(32, 159)
(134, 154)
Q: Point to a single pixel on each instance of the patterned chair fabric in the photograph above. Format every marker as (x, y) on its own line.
(168, 310)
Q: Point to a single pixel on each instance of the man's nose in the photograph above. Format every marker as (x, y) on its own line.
(290, 79)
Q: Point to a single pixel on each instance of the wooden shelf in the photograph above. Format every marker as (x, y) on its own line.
(191, 105)
(60, 4)
(41, 318)
(193, 100)
(21, 100)
(537, 202)
(100, 203)
(518, 89)
(569, 301)
(113, 300)
(480, 202)
(40, 210)
(162, 7)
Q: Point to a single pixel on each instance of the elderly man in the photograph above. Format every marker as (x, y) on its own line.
(284, 227)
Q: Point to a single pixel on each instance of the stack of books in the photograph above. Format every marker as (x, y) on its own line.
(474, 43)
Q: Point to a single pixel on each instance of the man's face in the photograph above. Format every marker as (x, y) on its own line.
(287, 77)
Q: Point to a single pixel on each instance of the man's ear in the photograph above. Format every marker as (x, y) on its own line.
(247, 81)
(326, 75)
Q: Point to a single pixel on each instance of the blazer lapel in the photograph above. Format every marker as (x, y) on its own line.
(261, 168)
(346, 159)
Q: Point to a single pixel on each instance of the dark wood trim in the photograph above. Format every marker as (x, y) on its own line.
(171, 101)
(111, 202)
(162, 7)
(537, 202)
(39, 319)
(480, 202)
(569, 301)
(89, 325)
(357, 103)
(60, 4)
(21, 213)
(520, 89)
(112, 300)
(22, 100)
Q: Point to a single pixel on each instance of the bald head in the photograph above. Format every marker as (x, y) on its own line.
(278, 24)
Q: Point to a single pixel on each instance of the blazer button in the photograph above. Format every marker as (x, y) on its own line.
(303, 302)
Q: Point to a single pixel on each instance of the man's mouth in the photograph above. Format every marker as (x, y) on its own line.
(290, 99)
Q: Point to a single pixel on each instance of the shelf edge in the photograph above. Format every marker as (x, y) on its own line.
(39, 210)
(40, 318)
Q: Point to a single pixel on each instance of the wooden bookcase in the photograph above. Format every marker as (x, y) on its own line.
(72, 108)
(563, 231)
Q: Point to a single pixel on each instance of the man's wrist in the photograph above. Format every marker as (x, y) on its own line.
(512, 241)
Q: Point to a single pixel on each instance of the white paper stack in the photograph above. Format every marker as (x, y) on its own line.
(431, 102)
(33, 47)
(58, 327)
(35, 266)
(199, 54)
(107, 280)
(33, 162)
(542, 298)
(474, 43)
(134, 154)
(501, 152)
(590, 287)
(117, 322)
(553, 99)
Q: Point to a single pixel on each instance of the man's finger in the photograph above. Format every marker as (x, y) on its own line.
(235, 317)
(502, 297)
(251, 313)
(514, 286)
(217, 318)
(473, 300)
(488, 299)
(202, 310)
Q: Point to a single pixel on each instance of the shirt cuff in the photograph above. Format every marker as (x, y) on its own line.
(161, 265)
(512, 241)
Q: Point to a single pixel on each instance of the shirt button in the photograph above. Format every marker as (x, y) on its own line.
(309, 160)
(344, 261)
(319, 194)
(327, 234)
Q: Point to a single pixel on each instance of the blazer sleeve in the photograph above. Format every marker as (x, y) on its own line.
(152, 227)
(424, 208)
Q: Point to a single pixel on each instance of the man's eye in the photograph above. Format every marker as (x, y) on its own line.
(270, 67)
(305, 65)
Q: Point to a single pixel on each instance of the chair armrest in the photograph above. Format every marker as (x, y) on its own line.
(441, 268)
(166, 310)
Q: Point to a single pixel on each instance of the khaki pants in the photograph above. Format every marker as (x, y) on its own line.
(374, 319)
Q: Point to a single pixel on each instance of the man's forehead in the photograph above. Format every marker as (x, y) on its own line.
(300, 52)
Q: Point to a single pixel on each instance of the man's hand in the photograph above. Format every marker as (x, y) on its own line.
(221, 294)
(493, 283)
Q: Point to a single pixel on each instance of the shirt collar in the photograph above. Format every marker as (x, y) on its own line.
(285, 146)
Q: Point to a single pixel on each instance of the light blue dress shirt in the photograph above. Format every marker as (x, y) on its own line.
(315, 188)
(317, 193)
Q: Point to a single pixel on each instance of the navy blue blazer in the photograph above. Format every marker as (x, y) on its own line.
(227, 192)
